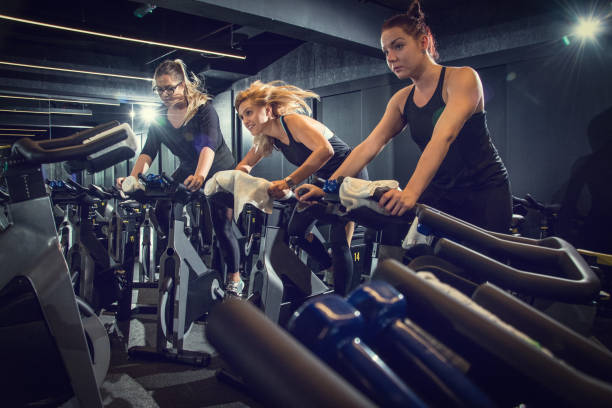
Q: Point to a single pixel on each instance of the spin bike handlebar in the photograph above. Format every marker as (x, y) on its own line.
(531, 203)
(76, 146)
(578, 282)
(163, 187)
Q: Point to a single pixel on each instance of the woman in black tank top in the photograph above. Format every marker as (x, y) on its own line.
(459, 171)
(272, 113)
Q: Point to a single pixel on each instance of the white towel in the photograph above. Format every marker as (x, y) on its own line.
(245, 188)
(356, 192)
(131, 184)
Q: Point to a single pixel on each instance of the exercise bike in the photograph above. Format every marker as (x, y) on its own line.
(55, 347)
(187, 288)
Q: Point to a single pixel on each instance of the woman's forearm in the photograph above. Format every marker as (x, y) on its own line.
(205, 161)
(142, 165)
(314, 162)
(427, 166)
(360, 157)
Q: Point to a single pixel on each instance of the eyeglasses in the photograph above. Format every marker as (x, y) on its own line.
(169, 89)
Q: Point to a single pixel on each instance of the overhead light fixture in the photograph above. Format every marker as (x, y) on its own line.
(145, 9)
(148, 114)
(78, 71)
(146, 103)
(46, 112)
(19, 135)
(587, 28)
(59, 100)
(119, 37)
(23, 130)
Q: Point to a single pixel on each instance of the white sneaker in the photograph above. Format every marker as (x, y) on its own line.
(234, 288)
(328, 277)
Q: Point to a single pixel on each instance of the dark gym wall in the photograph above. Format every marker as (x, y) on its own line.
(550, 102)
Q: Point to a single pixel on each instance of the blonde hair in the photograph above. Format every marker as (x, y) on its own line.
(282, 98)
(195, 98)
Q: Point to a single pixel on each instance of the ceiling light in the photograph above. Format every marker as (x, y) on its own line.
(16, 64)
(587, 28)
(148, 114)
(118, 37)
(23, 130)
(59, 100)
(46, 112)
(20, 135)
(145, 9)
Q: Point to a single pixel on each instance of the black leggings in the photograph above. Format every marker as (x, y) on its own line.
(489, 208)
(222, 224)
(301, 224)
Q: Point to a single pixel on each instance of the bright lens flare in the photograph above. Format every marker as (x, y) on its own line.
(587, 28)
(148, 114)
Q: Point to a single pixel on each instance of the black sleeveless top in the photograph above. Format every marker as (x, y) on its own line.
(472, 162)
(297, 153)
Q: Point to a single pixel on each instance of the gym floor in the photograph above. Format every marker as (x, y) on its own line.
(153, 383)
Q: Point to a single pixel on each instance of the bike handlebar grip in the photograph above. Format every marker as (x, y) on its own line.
(579, 282)
(577, 285)
(78, 137)
(520, 201)
(167, 178)
(99, 192)
(533, 203)
(301, 190)
(131, 184)
(74, 183)
(379, 192)
(279, 369)
(77, 146)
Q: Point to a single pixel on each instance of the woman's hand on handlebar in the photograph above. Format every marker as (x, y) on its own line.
(278, 189)
(308, 193)
(194, 182)
(119, 182)
(397, 202)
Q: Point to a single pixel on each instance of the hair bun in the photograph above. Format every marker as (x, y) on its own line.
(414, 10)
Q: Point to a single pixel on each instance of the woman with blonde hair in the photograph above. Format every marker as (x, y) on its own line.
(189, 127)
(277, 115)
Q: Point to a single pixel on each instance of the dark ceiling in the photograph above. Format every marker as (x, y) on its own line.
(30, 44)
(189, 23)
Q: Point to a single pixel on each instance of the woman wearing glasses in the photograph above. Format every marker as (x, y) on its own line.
(189, 127)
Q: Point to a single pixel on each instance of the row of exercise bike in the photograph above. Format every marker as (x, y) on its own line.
(69, 251)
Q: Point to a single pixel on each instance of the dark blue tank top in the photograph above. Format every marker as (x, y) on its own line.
(297, 153)
(472, 162)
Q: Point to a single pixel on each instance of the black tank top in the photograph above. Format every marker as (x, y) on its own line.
(297, 153)
(472, 162)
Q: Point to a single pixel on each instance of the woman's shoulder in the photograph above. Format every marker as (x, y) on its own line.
(297, 119)
(398, 100)
(294, 117)
(206, 108)
(461, 75)
(206, 112)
